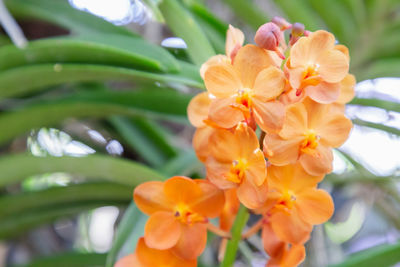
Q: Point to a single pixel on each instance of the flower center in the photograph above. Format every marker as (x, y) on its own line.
(244, 97)
(185, 215)
(286, 201)
(310, 142)
(237, 171)
(309, 77)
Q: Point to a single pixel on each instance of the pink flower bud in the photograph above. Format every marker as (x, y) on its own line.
(268, 36)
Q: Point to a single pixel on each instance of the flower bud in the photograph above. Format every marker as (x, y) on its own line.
(298, 30)
(268, 36)
(281, 22)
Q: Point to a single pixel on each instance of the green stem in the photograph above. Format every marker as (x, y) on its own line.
(233, 244)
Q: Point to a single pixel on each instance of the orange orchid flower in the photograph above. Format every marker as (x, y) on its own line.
(308, 135)
(248, 87)
(294, 205)
(179, 209)
(234, 41)
(236, 161)
(316, 67)
(149, 257)
(346, 89)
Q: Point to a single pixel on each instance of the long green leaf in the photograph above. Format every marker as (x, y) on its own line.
(29, 79)
(65, 195)
(383, 256)
(15, 226)
(15, 168)
(68, 259)
(110, 49)
(144, 103)
(183, 25)
(385, 67)
(377, 126)
(61, 13)
(374, 102)
(248, 12)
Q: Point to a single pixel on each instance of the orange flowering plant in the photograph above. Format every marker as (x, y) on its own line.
(266, 127)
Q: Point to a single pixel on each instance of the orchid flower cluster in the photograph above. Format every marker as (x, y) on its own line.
(266, 127)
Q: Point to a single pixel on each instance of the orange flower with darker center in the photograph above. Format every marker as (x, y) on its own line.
(179, 209)
(308, 135)
(236, 161)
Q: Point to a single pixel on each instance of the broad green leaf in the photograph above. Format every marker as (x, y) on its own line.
(382, 256)
(15, 226)
(92, 167)
(374, 102)
(29, 79)
(183, 25)
(183, 164)
(68, 259)
(61, 13)
(384, 67)
(142, 103)
(121, 51)
(248, 12)
(64, 195)
(145, 138)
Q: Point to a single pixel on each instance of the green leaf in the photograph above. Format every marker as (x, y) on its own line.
(107, 49)
(68, 259)
(377, 126)
(184, 164)
(142, 103)
(94, 166)
(248, 12)
(384, 67)
(61, 13)
(29, 79)
(129, 228)
(374, 102)
(233, 244)
(145, 138)
(183, 25)
(14, 226)
(383, 256)
(64, 195)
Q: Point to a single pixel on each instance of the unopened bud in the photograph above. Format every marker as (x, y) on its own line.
(297, 31)
(268, 36)
(281, 22)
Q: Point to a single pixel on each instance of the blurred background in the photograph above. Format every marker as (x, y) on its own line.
(93, 97)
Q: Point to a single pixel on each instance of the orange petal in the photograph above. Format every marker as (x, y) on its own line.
(216, 172)
(256, 171)
(333, 66)
(295, 124)
(279, 151)
(269, 84)
(230, 210)
(234, 40)
(316, 113)
(211, 203)
(150, 257)
(214, 60)
(269, 115)
(319, 163)
(252, 196)
(272, 244)
(335, 130)
(246, 140)
(344, 50)
(129, 261)
(224, 146)
(149, 197)
(223, 114)
(347, 89)
(197, 109)
(192, 242)
(290, 228)
(200, 142)
(222, 80)
(249, 61)
(324, 93)
(162, 230)
(314, 206)
(294, 256)
(179, 189)
(291, 177)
